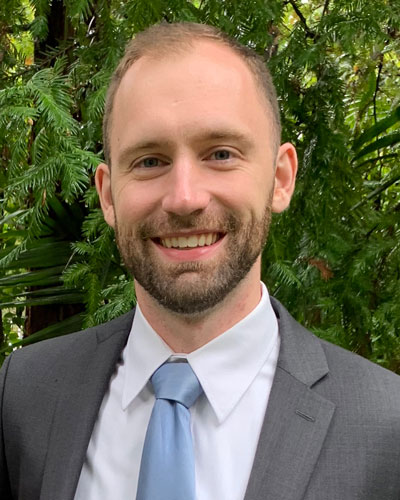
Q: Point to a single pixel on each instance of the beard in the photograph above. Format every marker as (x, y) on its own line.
(194, 287)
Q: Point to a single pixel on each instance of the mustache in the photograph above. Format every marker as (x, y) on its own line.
(175, 223)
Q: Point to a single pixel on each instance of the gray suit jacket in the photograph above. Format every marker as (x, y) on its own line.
(331, 429)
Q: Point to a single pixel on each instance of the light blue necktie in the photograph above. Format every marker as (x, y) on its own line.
(167, 466)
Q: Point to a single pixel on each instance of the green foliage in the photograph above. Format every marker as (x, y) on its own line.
(333, 258)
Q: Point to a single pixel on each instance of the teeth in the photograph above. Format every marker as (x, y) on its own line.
(192, 241)
(182, 242)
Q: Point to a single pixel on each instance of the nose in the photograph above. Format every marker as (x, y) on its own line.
(186, 191)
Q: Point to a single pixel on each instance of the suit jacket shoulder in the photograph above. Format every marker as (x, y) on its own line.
(377, 388)
(332, 426)
(55, 354)
(50, 396)
(330, 369)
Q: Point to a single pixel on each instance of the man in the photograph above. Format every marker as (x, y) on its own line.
(193, 171)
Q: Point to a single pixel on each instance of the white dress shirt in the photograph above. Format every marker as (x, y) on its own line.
(236, 371)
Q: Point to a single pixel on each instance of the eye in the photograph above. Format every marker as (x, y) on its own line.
(148, 167)
(150, 162)
(221, 154)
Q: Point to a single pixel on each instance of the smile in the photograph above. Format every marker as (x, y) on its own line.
(191, 241)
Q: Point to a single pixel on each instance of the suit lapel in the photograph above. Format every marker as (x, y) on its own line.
(296, 420)
(79, 400)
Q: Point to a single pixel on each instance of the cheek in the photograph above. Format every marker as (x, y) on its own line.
(247, 194)
(132, 203)
(148, 189)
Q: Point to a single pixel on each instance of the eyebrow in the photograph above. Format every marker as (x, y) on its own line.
(205, 135)
(224, 134)
(140, 147)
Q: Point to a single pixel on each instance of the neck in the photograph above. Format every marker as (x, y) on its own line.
(186, 334)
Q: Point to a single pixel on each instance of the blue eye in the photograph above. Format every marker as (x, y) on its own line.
(222, 154)
(150, 162)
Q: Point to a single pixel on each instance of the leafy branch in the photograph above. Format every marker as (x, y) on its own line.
(303, 21)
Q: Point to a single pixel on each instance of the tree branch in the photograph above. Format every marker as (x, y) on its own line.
(326, 7)
(377, 86)
(378, 80)
(303, 21)
(14, 76)
(377, 191)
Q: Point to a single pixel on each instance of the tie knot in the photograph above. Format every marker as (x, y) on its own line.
(176, 382)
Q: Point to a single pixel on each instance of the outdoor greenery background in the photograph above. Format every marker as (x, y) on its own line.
(333, 258)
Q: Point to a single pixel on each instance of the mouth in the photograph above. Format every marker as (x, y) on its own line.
(190, 241)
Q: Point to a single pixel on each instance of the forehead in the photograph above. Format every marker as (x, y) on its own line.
(196, 83)
(219, 61)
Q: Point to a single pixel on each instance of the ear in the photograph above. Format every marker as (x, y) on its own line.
(285, 176)
(103, 186)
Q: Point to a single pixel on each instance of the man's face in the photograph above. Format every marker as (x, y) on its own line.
(192, 180)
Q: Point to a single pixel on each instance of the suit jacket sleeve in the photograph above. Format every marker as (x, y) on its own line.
(5, 490)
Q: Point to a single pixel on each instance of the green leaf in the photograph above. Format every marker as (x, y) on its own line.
(42, 277)
(66, 298)
(69, 325)
(40, 253)
(385, 142)
(377, 129)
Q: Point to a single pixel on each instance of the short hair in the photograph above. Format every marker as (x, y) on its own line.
(160, 40)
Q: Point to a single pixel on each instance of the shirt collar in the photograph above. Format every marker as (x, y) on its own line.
(225, 366)
(145, 351)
